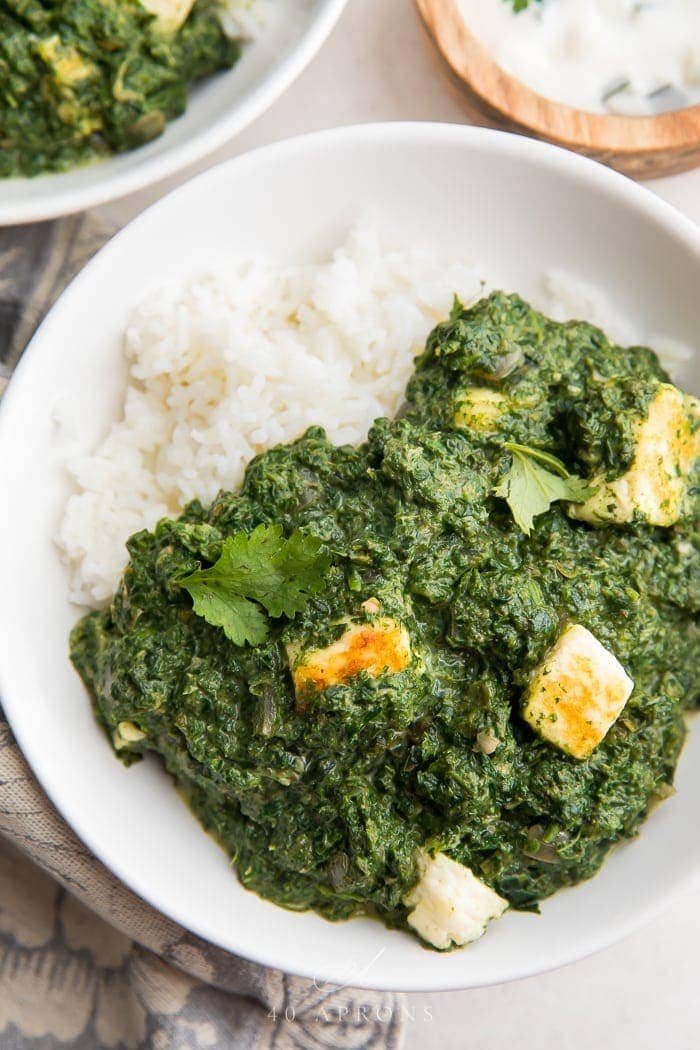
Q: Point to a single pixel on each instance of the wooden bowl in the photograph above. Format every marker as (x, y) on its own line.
(643, 147)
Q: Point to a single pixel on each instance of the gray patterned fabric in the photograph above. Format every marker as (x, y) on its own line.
(84, 963)
(36, 263)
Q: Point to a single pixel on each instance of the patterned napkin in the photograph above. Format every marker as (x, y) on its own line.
(84, 963)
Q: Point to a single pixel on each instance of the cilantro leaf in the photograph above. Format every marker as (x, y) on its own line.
(243, 621)
(260, 569)
(530, 489)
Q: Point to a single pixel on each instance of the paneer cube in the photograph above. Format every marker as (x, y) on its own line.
(67, 64)
(667, 443)
(170, 14)
(479, 408)
(450, 905)
(577, 692)
(126, 733)
(380, 647)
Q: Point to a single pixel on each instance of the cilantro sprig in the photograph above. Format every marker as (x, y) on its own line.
(256, 572)
(530, 488)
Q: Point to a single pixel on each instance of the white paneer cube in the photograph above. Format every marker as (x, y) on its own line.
(480, 408)
(170, 14)
(382, 646)
(450, 905)
(126, 733)
(576, 693)
(667, 443)
(67, 64)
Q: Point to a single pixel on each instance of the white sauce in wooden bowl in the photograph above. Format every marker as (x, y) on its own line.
(603, 56)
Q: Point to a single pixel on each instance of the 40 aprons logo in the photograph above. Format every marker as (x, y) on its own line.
(357, 1013)
(338, 1000)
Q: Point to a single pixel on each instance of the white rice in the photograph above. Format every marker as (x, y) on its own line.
(227, 365)
(224, 366)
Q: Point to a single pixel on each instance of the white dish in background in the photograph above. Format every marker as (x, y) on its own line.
(218, 108)
(519, 207)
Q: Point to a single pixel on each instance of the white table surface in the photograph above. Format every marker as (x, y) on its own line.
(642, 994)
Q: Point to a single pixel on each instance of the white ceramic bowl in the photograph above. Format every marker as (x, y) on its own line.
(217, 109)
(519, 205)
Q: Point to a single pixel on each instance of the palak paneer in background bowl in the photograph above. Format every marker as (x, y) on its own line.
(82, 79)
(440, 674)
(100, 98)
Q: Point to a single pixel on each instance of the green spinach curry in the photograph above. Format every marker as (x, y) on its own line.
(81, 79)
(329, 788)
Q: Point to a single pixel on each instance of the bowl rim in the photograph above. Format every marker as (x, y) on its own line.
(642, 146)
(56, 203)
(422, 134)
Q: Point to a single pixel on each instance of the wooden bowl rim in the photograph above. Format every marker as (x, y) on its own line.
(519, 104)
